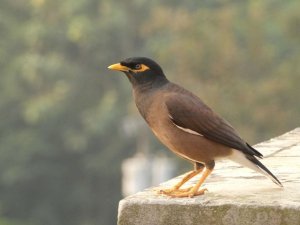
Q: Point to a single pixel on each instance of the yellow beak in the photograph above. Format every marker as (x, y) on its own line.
(118, 67)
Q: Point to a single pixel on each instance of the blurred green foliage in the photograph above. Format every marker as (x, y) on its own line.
(61, 145)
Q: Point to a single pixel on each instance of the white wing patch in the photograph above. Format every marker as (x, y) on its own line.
(187, 130)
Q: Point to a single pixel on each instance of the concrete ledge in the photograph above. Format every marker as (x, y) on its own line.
(237, 196)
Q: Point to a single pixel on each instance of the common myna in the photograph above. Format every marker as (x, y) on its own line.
(186, 125)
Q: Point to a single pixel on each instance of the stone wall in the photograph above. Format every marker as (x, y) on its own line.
(236, 196)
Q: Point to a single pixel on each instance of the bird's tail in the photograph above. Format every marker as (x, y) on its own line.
(254, 164)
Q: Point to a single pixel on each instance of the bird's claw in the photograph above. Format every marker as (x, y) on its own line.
(181, 193)
(191, 193)
(169, 191)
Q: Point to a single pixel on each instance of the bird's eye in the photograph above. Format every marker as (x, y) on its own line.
(138, 66)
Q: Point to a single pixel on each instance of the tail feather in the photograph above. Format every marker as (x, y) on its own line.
(254, 164)
(264, 170)
(257, 153)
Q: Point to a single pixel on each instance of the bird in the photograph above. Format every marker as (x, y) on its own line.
(186, 125)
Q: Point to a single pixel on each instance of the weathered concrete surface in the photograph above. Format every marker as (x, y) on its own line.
(237, 196)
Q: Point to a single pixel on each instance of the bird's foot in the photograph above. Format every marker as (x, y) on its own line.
(168, 191)
(190, 193)
(181, 193)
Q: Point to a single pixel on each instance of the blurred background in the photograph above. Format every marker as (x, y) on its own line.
(67, 123)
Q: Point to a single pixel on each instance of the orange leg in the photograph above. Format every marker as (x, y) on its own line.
(194, 190)
(176, 187)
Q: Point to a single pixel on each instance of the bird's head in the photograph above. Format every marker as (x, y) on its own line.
(140, 70)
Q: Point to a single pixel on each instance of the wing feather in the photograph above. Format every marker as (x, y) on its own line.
(189, 112)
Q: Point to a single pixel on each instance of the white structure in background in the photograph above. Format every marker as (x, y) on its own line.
(142, 171)
(163, 168)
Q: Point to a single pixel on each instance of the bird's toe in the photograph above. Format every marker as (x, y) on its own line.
(191, 193)
(170, 191)
(181, 193)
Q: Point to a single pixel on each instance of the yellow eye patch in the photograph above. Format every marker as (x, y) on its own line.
(140, 68)
(137, 68)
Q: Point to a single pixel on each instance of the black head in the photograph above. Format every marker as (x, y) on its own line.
(140, 70)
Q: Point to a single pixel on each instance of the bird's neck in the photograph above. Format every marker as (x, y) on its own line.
(147, 80)
(149, 85)
(144, 94)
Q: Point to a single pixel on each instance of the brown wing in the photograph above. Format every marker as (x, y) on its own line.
(189, 112)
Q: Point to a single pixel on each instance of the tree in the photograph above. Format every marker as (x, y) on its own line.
(61, 141)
